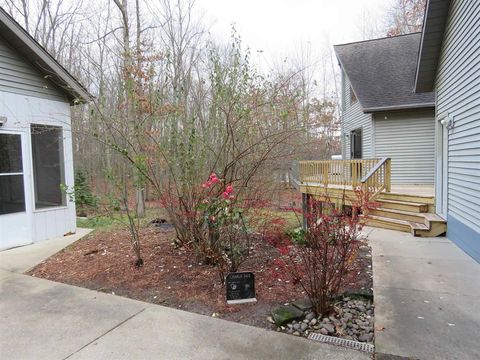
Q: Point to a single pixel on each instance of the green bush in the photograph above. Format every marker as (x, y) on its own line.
(297, 236)
(83, 196)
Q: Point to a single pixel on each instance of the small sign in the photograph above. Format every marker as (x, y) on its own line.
(240, 288)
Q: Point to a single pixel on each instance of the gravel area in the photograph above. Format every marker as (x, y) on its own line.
(352, 319)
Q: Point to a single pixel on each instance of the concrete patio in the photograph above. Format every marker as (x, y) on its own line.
(41, 319)
(427, 295)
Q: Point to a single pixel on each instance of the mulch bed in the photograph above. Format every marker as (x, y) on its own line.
(170, 276)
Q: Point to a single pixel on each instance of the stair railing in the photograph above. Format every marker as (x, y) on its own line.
(378, 179)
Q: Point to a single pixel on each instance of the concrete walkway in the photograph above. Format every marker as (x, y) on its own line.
(23, 258)
(427, 297)
(41, 319)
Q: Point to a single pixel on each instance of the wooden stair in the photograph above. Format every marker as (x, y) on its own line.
(407, 213)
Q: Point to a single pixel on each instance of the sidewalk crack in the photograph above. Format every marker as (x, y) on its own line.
(105, 333)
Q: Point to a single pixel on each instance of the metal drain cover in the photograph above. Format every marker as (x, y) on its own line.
(351, 344)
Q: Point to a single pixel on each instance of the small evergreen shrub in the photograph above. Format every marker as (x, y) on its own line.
(82, 194)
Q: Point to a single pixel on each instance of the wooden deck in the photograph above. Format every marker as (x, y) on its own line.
(420, 189)
(414, 189)
(409, 208)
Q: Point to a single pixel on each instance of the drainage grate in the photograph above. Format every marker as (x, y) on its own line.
(356, 345)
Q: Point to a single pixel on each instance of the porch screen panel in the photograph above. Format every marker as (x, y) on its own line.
(48, 166)
(12, 194)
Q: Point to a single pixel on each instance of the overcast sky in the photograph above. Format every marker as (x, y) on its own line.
(280, 28)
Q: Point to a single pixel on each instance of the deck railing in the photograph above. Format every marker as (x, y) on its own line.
(373, 175)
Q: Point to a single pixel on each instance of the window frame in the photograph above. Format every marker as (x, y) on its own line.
(61, 150)
(16, 173)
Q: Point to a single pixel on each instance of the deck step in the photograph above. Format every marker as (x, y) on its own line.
(425, 218)
(436, 228)
(432, 228)
(389, 223)
(418, 226)
(403, 205)
(399, 214)
(430, 200)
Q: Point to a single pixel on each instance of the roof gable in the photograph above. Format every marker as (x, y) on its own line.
(21, 42)
(382, 72)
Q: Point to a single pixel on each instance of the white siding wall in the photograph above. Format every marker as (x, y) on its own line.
(458, 93)
(21, 111)
(354, 118)
(408, 138)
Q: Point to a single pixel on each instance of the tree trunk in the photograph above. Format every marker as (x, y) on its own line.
(140, 200)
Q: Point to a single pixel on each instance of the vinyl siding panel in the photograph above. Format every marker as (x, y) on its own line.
(18, 76)
(408, 138)
(458, 93)
(353, 118)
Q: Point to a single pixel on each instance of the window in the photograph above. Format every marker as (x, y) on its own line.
(48, 166)
(12, 194)
(353, 97)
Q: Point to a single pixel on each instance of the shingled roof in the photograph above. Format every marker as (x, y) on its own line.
(382, 73)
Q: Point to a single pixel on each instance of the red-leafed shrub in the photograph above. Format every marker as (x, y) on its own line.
(327, 258)
(212, 226)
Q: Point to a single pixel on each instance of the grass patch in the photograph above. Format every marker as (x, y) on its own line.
(265, 216)
(116, 220)
(98, 222)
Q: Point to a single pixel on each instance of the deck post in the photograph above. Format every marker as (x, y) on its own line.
(388, 175)
(305, 200)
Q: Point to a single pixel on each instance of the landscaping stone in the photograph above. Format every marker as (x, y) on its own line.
(323, 331)
(329, 328)
(365, 337)
(286, 313)
(352, 319)
(304, 304)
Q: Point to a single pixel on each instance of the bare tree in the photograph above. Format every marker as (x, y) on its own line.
(173, 105)
(406, 17)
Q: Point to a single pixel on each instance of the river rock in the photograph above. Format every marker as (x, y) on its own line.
(366, 337)
(285, 314)
(329, 328)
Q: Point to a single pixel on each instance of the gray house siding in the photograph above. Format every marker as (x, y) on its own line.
(18, 76)
(354, 118)
(408, 138)
(458, 94)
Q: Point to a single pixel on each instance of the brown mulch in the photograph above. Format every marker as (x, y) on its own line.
(170, 276)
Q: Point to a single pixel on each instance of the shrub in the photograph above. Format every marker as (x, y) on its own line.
(81, 194)
(297, 236)
(327, 260)
(213, 226)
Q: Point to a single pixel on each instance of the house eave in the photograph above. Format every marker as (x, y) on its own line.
(399, 107)
(435, 20)
(37, 55)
